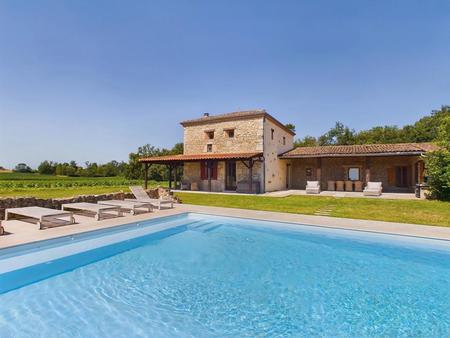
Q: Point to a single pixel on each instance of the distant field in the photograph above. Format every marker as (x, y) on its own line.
(50, 186)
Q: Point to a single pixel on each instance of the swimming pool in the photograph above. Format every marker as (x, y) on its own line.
(200, 276)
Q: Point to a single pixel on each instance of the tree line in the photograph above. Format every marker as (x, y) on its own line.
(132, 169)
(424, 130)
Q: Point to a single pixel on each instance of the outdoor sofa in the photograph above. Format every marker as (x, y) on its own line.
(373, 189)
(312, 187)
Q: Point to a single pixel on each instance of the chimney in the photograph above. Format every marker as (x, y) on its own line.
(205, 114)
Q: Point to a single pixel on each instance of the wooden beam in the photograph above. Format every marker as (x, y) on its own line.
(146, 166)
(250, 175)
(319, 171)
(367, 165)
(176, 175)
(170, 176)
(209, 170)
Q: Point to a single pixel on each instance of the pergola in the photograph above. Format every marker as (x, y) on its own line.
(175, 161)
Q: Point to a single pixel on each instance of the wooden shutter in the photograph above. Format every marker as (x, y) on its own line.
(391, 176)
(204, 170)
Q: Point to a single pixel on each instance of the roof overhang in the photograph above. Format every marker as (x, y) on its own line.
(417, 153)
(178, 159)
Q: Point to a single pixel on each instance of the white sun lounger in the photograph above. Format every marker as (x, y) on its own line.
(97, 209)
(128, 205)
(39, 213)
(142, 196)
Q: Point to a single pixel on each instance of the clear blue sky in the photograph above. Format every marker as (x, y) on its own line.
(92, 80)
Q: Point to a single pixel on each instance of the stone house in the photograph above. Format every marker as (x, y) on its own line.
(222, 152)
(251, 151)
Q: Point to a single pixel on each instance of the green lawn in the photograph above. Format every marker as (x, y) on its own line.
(50, 186)
(402, 211)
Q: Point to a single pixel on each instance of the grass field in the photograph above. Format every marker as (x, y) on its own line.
(402, 211)
(49, 186)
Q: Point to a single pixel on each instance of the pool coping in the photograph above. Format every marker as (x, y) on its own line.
(403, 229)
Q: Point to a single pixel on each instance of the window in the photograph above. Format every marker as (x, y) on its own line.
(230, 133)
(353, 174)
(204, 170)
(210, 134)
(284, 140)
(272, 133)
(209, 148)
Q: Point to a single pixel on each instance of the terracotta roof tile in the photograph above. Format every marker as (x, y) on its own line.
(361, 149)
(200, 157)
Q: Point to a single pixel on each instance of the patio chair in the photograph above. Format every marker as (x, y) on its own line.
(312, 187)
(348, 185)
(185, 185)
(358, 186)
(373, 189)
(331, 185)
(2, 229)
(142, 196)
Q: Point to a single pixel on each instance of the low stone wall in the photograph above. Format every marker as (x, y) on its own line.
(55, 203)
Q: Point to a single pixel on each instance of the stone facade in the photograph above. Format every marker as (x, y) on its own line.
(250, 134)
(274, 168)
(55, 203)
(248, 137)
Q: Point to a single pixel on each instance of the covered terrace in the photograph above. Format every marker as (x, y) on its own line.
(225, 176)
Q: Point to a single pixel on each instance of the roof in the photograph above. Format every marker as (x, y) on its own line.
(199, 157)
(238, 115)
(360, 150)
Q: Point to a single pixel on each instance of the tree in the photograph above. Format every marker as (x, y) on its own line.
(22, 168)
(290, 126)
(339, 134)
(307, 141)
(157, 172)
(135, 168)
(177, 149)
(47, 168)
(438, 163)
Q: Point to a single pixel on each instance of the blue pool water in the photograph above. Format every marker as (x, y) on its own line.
(211, 276)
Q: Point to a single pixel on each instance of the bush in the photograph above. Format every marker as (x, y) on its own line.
(438, 170)
(438, 164)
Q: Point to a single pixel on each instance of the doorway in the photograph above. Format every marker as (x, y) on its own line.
(401, 177)
(288, 176)
(230, 175)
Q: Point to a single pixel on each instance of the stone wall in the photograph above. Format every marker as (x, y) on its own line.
(275, 169)
(55, 203)
(248, 137)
